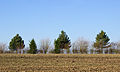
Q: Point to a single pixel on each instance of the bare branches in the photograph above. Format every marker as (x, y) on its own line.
(2, 47)
(80, 46)
(45, 45)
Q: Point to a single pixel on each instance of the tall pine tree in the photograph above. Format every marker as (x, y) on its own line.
(102, 41)
(16, 43)
(62, 42)
(33, 47)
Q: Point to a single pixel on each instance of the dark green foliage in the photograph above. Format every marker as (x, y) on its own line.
(102, 41)
(16, 43)
(63, 42)
(33, 47)
(57, 46)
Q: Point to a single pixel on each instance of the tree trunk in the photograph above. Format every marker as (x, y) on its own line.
(65, 51)
(21, 51)
(18, 51)
(103, 51)
(43, 51)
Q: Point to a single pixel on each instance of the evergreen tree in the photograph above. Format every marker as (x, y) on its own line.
(57, 46)
(102, 41)
(62, 42)
(16, 43)
(33, 47)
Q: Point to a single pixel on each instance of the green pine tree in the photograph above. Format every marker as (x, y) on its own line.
(57, 46)
(62, 42)
(102, 41)
(16, 43)
(33, 47)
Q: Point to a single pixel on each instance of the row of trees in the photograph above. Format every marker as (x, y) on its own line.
(63, 45)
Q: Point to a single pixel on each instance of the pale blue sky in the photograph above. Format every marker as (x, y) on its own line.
(41, 19)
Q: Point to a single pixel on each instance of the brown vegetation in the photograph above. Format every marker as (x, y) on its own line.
(58, 63)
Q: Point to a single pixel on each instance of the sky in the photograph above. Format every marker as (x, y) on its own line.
(41, 19)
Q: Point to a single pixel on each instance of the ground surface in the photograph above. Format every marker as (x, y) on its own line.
(59, 63)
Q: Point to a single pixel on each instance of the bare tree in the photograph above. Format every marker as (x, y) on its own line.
(51, 49)
(81, 45)
(74, 48)
(2, 47)
(92, 48)
(117, 47)
(25, 50)
(45, 45)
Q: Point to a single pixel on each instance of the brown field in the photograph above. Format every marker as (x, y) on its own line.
(59, 63)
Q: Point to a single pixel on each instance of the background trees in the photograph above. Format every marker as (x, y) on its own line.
(118, 47)
(33, 47)
(102, 41)
(45, 45)
(2, 47)
(80, 46)
(62, 42)
(57, 46)
(75, 48)
(62, 45)
(17, 44)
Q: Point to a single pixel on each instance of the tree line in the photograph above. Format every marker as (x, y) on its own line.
(62, 44)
